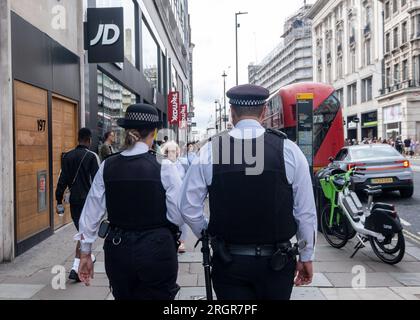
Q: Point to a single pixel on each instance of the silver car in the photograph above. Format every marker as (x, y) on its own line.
(381, 164)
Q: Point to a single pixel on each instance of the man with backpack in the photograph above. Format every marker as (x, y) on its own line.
(78, 170)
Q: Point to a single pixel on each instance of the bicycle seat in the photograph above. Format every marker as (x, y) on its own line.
(385, 206)
(340, 183)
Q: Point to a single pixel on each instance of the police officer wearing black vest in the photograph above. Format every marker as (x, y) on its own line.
(140, 193)
(261, 196)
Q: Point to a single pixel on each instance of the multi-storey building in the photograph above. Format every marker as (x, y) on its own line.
(399, 102)
(348, 50)
(291, 60)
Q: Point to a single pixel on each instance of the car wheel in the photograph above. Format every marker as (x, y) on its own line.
(407, 193)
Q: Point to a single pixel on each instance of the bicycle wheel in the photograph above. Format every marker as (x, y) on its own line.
(337, 235)
(391, 250)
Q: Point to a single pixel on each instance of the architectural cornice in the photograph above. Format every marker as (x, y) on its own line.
(316, 8)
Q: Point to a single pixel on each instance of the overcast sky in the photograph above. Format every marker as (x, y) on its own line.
(213, 33)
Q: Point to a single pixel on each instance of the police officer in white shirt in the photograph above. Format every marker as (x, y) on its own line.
(140, 195)
(261, 196)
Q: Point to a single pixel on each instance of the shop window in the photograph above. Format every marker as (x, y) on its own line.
(150, 56)
(113, 101)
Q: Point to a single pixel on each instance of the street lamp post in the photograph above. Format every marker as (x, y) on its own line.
(224, 75)
(220, 118)
(216, 126)
(236, 37)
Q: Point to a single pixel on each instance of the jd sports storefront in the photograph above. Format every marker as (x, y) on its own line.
(46, 100)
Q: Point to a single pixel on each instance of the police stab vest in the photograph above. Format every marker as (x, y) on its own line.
(248, 208)
(135, 196)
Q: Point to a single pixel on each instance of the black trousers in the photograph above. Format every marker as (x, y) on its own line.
(76, 212)
(144, 266)
(252, 278)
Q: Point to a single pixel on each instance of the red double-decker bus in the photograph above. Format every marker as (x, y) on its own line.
(328, 118)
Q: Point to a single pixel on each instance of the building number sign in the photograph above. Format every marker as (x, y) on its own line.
(42, 124)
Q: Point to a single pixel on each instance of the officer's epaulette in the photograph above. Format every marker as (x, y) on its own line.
(278, 133)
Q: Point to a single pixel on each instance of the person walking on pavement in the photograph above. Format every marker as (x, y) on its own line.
(172, 151)
(256, 208)
(140, 194)
(399, 145)
(407, 145)
(79, 168)
(107, 149)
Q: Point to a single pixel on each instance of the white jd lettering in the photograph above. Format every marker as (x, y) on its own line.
(103, 33)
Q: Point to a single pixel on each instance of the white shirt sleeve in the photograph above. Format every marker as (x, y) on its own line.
(93, 212)
(172, 183)
(304, 209)
(195, 189)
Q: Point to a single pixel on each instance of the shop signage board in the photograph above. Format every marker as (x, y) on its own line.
(104, 35)
(173, 108)
(183, 116)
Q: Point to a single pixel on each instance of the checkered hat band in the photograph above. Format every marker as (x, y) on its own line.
(242, 102)
(146, 117)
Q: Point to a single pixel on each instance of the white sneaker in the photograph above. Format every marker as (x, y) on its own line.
(93, 258)
(182, 248)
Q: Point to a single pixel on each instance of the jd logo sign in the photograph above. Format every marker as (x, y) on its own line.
(103, 33)
(104, 36)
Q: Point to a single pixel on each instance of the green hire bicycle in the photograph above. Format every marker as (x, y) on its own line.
(344, 218)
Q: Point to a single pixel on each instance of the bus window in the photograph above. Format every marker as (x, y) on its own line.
(324, 116)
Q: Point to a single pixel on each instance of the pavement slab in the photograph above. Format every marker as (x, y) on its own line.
(19, 291)
(340, 280)
(190, 257)
(187, 280)
(74, 291)
(344, 266)
(305, 293)
(192, 293)
(408, 293)
(407, 279)
(414, 252)
(360, 294)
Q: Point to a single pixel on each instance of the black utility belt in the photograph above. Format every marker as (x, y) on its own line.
(258, 250)
(106, 229)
